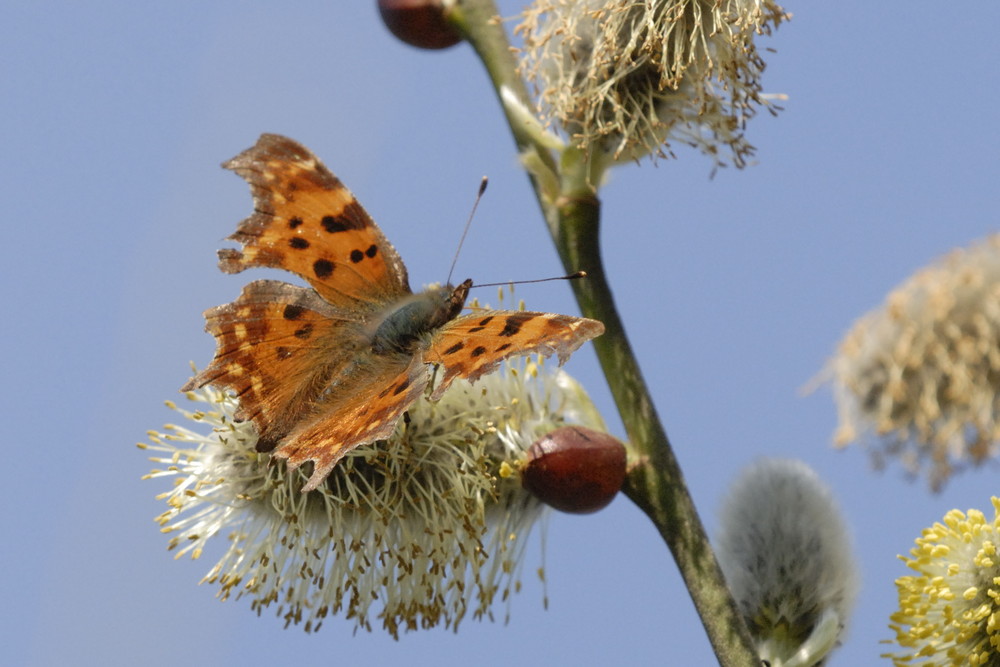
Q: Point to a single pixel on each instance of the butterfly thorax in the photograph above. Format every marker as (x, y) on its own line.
(409, 321)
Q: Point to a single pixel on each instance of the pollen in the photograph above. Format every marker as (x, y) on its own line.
(417, 531)
(918, 379)
(631, 78)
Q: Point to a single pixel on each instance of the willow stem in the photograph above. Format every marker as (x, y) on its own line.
(656, 483)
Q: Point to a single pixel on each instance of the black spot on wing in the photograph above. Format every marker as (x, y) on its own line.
(333, 224)
(478, 351)
(513, 325)
(322, 268)
(293, 312)
(352, 217)
(298, 243)
(358, 255)
(265, 445)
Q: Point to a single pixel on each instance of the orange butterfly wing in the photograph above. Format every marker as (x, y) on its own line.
(472, 345)
(367, 413)
(270, 352)
(307, 222)
(279, 347)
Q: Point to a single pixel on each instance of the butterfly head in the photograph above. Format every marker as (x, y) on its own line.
(456, 298)
(443, 303)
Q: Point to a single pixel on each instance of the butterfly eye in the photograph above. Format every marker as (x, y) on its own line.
(575, 469)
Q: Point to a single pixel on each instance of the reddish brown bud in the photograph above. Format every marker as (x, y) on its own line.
(575, 469)
(419, 23)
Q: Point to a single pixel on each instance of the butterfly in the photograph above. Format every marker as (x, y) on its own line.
(320, 370)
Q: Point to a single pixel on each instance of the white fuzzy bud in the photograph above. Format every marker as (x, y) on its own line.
(788, 561)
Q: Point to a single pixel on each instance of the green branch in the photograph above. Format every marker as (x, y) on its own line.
(655, 483)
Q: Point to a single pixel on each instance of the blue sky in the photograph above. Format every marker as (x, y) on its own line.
(734, 290)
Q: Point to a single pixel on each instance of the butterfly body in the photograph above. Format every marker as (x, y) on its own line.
(325, 368)
(411, 320)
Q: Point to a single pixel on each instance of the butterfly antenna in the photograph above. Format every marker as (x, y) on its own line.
(572, 276)
(468, 223)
